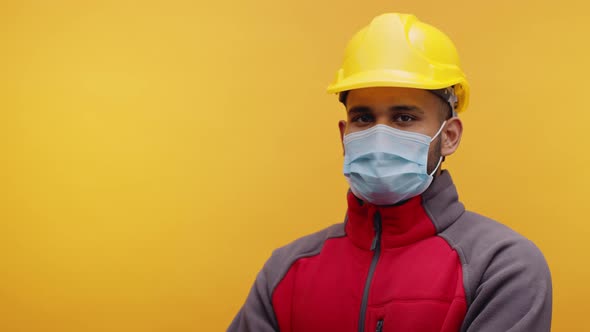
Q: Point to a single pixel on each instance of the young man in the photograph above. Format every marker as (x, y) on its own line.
(408, 257)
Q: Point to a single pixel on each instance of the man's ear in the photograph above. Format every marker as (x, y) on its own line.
(451, 136)
(342, 128)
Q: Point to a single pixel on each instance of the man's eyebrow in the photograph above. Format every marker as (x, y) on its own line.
(396, 108)
(360, 109)
(406, 108)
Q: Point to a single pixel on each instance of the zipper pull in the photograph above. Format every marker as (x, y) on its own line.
(374, 244)
(379, 326)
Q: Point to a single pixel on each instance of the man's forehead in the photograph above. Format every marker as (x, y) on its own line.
(378, 95)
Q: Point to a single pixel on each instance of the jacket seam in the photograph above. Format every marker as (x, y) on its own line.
(464, 267)
(295, 260)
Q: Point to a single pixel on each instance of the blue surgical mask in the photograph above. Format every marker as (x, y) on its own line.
(384, 165)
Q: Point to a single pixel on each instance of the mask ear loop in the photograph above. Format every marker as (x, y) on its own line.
(439, 131)
(433, 138)
(437, 165)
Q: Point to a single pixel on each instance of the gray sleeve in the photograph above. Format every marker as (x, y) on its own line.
(512, 292)
(257, 315)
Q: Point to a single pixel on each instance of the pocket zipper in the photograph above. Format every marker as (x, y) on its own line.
(379, 326)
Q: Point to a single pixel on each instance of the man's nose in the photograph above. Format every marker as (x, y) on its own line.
(383, 119)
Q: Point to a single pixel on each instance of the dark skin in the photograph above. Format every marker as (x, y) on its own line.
(407, 109)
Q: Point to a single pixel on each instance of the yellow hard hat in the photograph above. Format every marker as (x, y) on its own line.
(398, 50)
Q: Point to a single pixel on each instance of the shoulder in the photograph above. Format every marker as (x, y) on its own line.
(477, 235)
(282, 258)
(310, 244)
(491, 250)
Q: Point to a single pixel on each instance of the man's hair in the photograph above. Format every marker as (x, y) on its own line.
(445, 110)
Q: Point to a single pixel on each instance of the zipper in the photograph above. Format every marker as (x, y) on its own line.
(376, 248)
(379, 326)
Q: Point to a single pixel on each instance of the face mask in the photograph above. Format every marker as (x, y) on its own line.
(384, 165)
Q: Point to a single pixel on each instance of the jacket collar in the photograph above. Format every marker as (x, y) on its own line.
(418, 218)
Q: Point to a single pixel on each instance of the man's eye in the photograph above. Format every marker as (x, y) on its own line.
(365, 118)
(403, 118)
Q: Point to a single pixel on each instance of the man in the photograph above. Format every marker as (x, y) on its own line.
(408, 257)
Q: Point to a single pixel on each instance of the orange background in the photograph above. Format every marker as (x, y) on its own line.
(154, 153)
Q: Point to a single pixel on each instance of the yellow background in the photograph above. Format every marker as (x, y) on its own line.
(154, 153)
